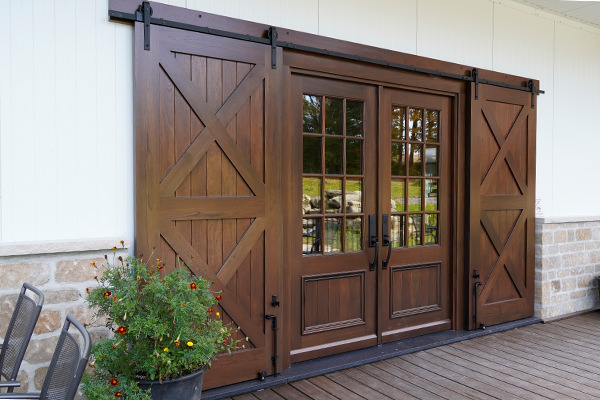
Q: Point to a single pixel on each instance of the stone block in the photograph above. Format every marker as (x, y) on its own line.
(560, 236)
(555, 286)
(552, 262)
(569, 260)
(84, 314)
(562, 273)
(583, 234)
(23, 377)
(40, 350)
(584, 281)
(13, 275)
(38, 379)
(578, 294)
(7, 306)
(61, 296)
(568, 284)
(79, 270)
(49, 321)
(545, 238)
(576, 247)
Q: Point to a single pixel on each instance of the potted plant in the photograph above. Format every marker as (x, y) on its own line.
(166, 332)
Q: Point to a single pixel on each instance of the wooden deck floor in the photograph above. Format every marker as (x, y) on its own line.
(558, 360)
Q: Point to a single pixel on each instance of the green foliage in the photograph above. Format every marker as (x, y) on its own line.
(165, 325)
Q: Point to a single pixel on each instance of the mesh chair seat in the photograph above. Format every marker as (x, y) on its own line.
(66, 368)
(18, 334)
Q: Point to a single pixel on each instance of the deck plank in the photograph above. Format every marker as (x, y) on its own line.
(312, 390)
(334, 388)
(556, 360)
(453, 389)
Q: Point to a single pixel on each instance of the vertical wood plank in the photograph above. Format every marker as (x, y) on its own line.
(213, 161)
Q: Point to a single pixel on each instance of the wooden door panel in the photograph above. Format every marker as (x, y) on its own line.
(502, 195)
(211, 183)
(414, 291)
(333, 290)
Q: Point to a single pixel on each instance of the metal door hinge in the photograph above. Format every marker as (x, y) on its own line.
(143, 14)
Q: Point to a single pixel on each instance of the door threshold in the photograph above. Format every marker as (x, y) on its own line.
(337, 362)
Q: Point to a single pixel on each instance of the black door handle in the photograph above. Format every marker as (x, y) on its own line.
(373, 240)
(386, 240)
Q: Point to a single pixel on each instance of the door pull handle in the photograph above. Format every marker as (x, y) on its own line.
(386, 240)
(373, 242)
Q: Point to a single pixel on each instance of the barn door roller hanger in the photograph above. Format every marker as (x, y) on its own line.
(144, 14)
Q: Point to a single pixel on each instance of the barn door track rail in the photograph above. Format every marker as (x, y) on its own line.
(144, 14)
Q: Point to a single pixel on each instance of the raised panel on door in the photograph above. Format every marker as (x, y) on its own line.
(502, 196)
(333, 289)
(415, 191)
(207, 168)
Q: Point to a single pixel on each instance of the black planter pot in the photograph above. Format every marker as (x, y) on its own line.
(187, 387)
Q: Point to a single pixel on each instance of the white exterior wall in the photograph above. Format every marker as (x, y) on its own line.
(66, 96)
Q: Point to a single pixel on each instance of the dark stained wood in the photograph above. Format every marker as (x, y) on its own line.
(205, 193)
(501, 205)
(414, 294)
(524, 363)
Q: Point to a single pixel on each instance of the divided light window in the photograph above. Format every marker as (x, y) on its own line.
(332, 175)
(415, 148)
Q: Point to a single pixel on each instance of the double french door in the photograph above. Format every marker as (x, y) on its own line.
(371, 260)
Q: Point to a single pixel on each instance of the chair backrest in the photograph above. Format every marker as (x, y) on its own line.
(68, 362)
(19, 331)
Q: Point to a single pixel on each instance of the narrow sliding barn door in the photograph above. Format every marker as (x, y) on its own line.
(208, 178)
(501, 206)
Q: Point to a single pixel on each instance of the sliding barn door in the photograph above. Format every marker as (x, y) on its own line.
(208, 178)
(501, 205)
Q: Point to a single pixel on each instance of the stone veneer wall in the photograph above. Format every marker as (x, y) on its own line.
(567, 264)
(62, 271)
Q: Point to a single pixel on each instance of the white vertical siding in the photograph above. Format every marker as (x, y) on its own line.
(66, 166)
(576, 129)
(66, 95)
(459, 31)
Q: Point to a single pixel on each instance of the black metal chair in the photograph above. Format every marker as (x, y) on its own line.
(18, 334)
(66, 368)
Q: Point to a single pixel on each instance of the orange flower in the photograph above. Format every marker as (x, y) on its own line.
(121, 330)
(107, 294)
(118, 394)
(114, 299)
(192, 285)
(210, 310)
(114, 382)
(114, 248)
(122, 243)
(159, 266)
(184, 304)
(138, 278)
(218, 298)
(164, 280)
(87, 289)
(176, 342)
(93, 263)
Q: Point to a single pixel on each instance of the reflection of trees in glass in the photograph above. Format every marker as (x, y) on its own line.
(415, 161)
(354, 118)
(353, 157)
(398, 167)
(333, 155)
(333, 116)
(311, 155)
(432, 121)
(398, 122)
(311, 115)
(415, 124)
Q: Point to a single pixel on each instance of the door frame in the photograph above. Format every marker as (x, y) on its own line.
(331, 68)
